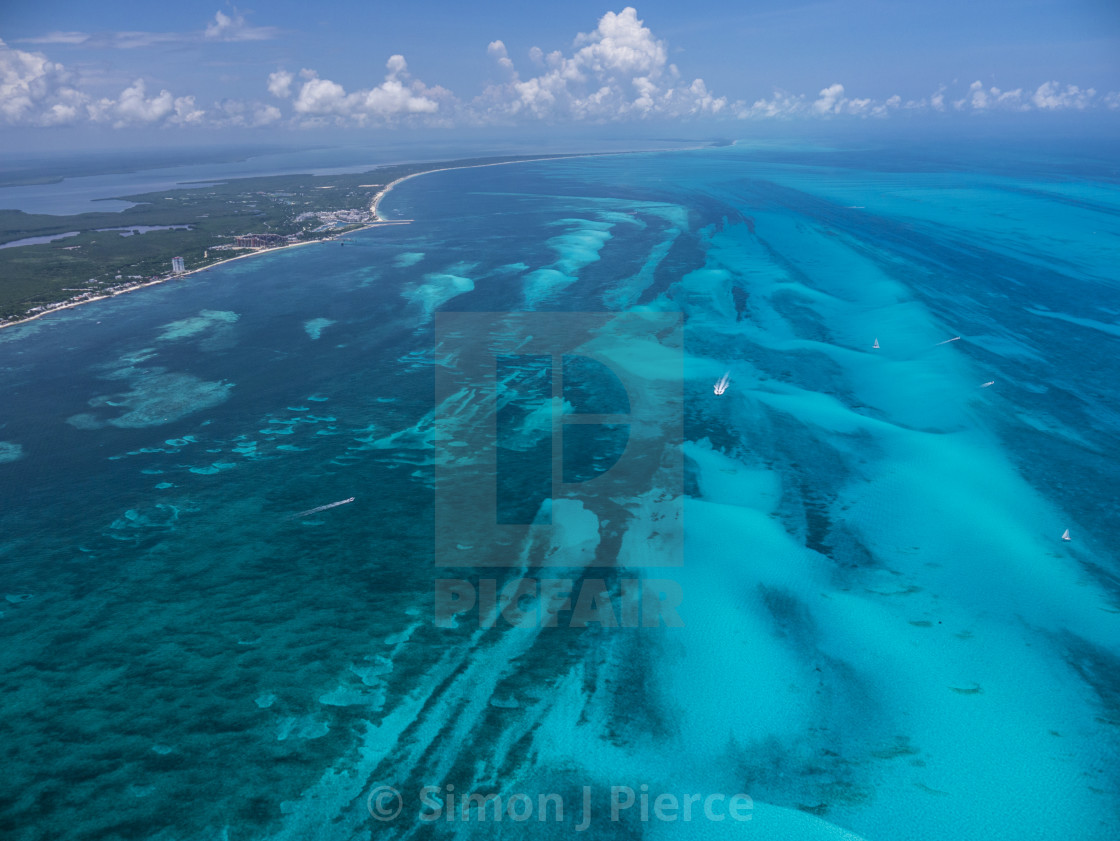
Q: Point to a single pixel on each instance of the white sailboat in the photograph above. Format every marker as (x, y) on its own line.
(1065, 535)
(876, 345)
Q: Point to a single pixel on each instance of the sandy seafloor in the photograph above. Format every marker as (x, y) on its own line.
(885, 636)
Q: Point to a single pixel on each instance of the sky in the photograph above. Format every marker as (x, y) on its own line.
(73, 73)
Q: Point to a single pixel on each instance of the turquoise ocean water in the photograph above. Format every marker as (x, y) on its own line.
(885, 636)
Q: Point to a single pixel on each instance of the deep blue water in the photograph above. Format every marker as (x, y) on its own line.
(884, 633)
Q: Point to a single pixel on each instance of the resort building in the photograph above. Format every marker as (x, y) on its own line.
(177, 265)
(260, 241)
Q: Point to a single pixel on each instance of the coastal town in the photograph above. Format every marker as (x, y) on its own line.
(328, 226)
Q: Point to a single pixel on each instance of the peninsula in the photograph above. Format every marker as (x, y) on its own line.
(51, 262)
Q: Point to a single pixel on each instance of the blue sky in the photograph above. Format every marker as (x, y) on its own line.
(206, 69)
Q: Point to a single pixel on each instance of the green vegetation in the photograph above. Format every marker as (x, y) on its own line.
(97, 261)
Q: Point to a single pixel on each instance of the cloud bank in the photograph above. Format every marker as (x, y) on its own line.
(833, 101)
(618, 72)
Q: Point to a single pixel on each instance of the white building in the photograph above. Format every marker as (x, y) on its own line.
(177, 265)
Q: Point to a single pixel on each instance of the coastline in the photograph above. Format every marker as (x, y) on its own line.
(71, 304)
(378, 221)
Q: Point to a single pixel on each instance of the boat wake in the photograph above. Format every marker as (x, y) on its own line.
(311, 511)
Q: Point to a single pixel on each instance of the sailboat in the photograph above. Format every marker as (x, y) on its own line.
(876, 345)
(1065, 535)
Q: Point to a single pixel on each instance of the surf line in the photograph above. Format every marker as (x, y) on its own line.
(311, 511)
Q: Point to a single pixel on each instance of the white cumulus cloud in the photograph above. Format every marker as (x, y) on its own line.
(395, 99)
(1051, 96)
(36, 91)
(618, 71)
(781, 105)
(889, 104)
(498, 50)
(937, 101)
(280, 84)
(976, 98)
(135, 107)
(830, 100)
